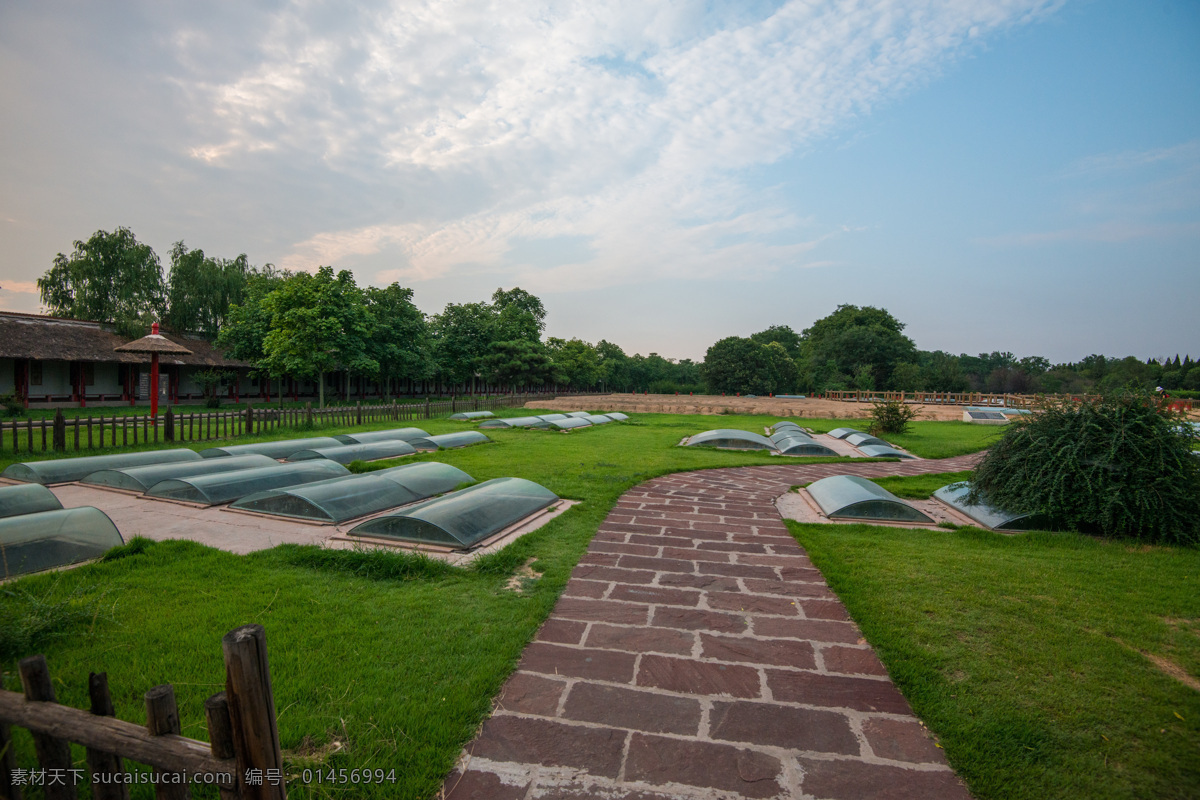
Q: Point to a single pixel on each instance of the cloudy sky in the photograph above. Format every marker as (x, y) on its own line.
(1015, 175)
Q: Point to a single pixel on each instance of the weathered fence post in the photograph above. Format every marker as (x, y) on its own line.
(308, 419)
(220, 736)
(8, 763)
(426, 406)
(60, 430)
(169, 426)
(98, 761)
(54, 754)
(358, 413)
(162, 718)
(252, 712)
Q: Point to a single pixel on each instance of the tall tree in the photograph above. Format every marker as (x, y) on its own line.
(111, 278)
(782, 334)
(247, 323)
(200, 290)
(400, 341)
(463, 335)
(576, 362)
(319, 323)
(517, 363)
(853, 337)
(519, 315)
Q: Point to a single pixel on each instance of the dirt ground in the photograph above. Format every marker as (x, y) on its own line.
(709, 404)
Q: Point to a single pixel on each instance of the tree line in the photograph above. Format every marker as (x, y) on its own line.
(307, 326)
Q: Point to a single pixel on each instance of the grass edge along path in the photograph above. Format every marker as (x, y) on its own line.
(1042, 661)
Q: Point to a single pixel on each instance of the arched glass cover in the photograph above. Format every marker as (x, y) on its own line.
(26, 499)
(567, 423)
(852, 497)
(462, 520)
(472, 415)
(842, 433)
(50, 539)
(449, 441)
(801, 445)
(340, 499)
(366, 437)
(859, 439)
(551, 417)
(785, 424)
(883, 451)
(617, 415)
(954, 495)
(280, 449)
(597, 419)
(225, 487)
(511, 422)
(579, 413)
(139, 479)
(730, 438)
(66, 470)
(344, 454)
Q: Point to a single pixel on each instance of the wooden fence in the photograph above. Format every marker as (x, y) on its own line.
(243, 757)
(122, 430)
(939, 398)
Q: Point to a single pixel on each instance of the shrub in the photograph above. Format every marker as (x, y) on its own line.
(891, 416)
(1119, 466)
(12, 405)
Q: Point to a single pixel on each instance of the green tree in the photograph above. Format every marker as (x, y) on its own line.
(614, 365)
(576, 363)
(519, 315)
(782, 375)
(853, 337)
(319, 323)
(734, 365)
(400, 341)
(783, 335)
(111, 278)
(907, 377)
(200, 290)
(463, 335)
(517, 363)
(247, 323)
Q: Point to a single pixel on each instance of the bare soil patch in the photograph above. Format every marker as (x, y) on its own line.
(713, 404)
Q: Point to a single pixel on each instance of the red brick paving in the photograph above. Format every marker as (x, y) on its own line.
(697, 653)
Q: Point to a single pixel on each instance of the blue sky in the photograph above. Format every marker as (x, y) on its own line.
(1000, 174)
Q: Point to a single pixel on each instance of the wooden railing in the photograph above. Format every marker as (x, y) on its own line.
(243, 757)
(123, 430)
(939, 398)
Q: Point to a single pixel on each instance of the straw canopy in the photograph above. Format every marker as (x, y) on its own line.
(155, 342)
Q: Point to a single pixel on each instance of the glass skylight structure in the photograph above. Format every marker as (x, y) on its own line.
(28, 498)
(463, 519)
(731, 438)
(883, 451)
(449, 441)
(366, 437)
(955, 494)
(66, 470)
(139, 479)
(511, 422)
(49, 539)
(340, 499)
(859, 439)
(852, 497)
(344, 454)
(617, 415)
(280, 449)
(462, 415)
(842, 433)
(225, 487)
(798, 444)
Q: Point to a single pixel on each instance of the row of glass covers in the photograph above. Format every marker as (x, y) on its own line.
(562, 422)
(37, 533)
(852, 497)
(788, 440)
(868, 445)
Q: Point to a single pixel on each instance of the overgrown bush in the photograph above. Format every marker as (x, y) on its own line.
(1119, 466)
(891, 416)
(12, 405)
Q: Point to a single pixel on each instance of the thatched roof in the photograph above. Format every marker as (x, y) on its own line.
(53, 339)
(154, 342)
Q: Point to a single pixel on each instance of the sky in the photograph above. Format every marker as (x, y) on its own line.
(1014, 175)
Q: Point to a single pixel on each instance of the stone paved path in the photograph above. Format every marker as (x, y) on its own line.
(697, 653)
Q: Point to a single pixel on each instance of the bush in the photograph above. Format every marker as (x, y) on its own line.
(891, 416)
(1119, 466)
(13, 406)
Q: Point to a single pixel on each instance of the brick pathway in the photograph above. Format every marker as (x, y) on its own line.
(697, 653)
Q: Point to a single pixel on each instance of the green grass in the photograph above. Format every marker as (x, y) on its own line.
(1032, 656)
(920, 487)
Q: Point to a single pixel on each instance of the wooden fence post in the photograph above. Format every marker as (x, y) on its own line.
(308, 418)
(54, 754)
(162, 719)
(169, 426)
(8, 763)
(252, 713)
(98, 761)
(220, 735)
(249, 430)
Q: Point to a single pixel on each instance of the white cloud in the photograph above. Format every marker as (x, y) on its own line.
(624, 123)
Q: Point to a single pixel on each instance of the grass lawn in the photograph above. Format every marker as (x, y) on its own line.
(393, 661)
(1050, 665)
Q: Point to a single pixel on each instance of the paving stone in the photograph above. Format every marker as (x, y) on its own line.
(778, 559)
(736, 570)
(654, 594)
(658, 760)
(661, 540)
(811, 688)
(641, 640)
(656, 564)
(902, 740)
(630, 527)
(553, 659)
(711, 583)
(531, 694)
(581, 588)
(629, 708)
(477, 785)
(853, 660)
(776, 652)
(855, 780)
(783, 726)
(562, 631)
(753, 603)
(697, 620)
(824, 609)
(599, 559)
(692, 554)
(791, 589)
(625, 548)
(733, 547)
(536, 741)
(792, 573)
(612, 574)
(818, 630)
(699, 532)
(601, 611)
(698, 677)
(589, 790)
